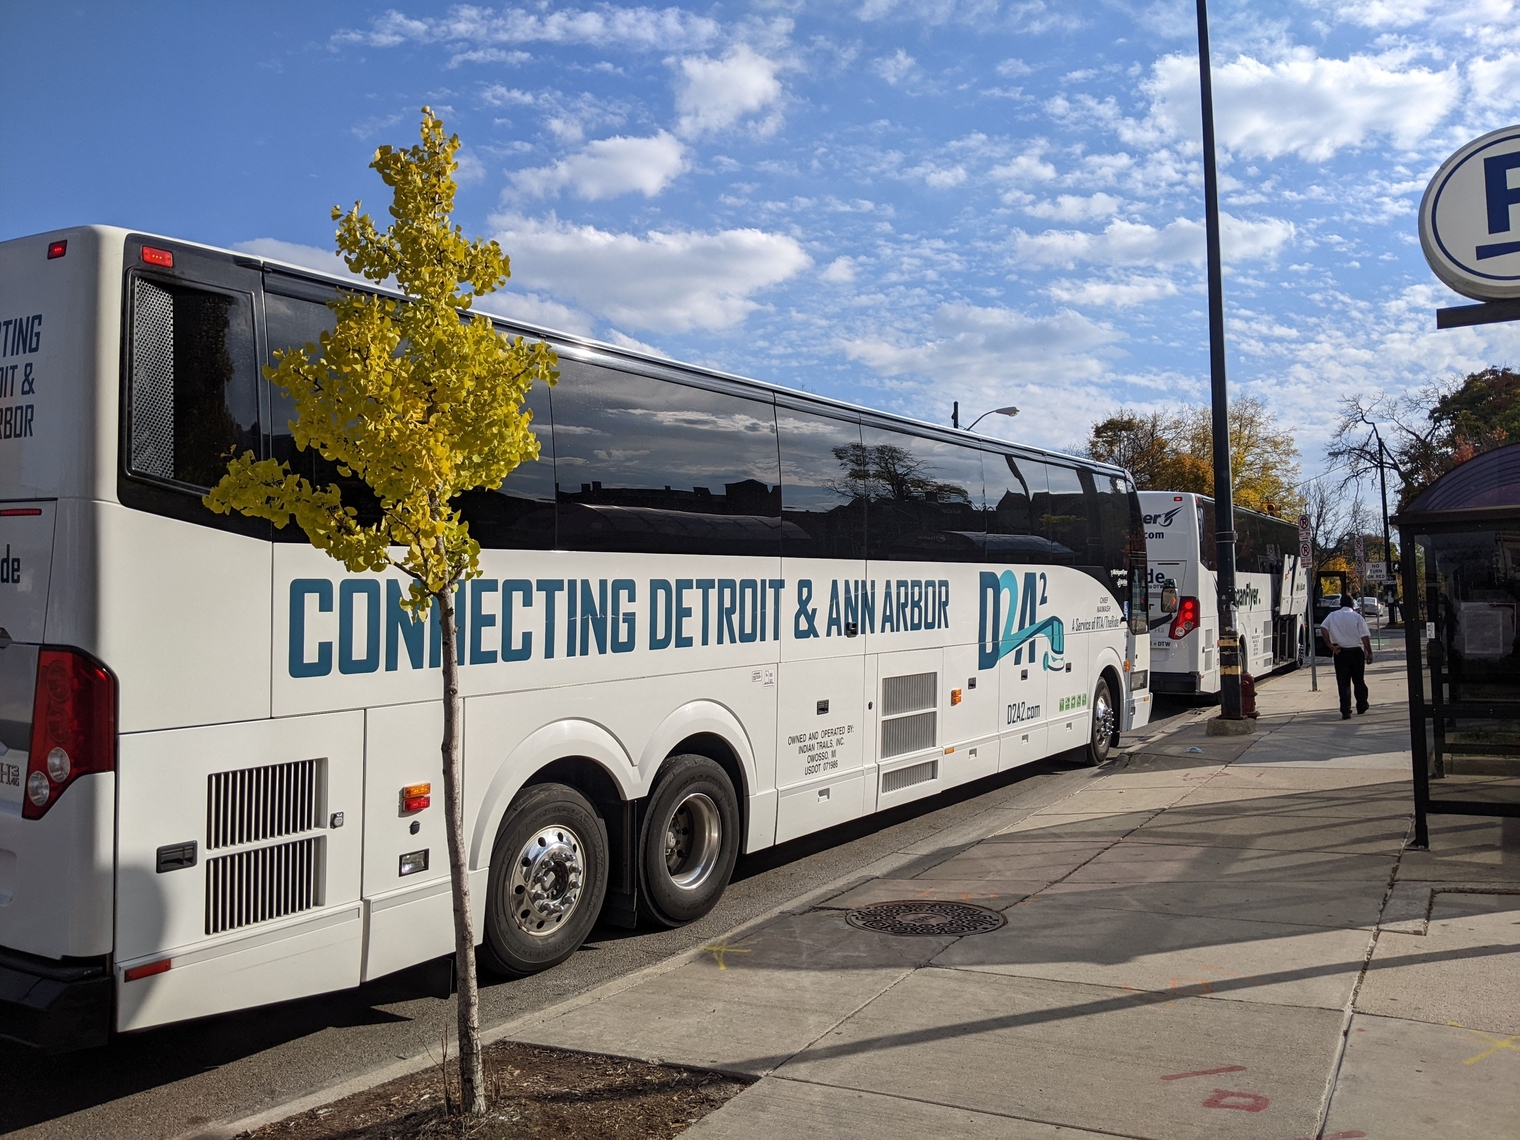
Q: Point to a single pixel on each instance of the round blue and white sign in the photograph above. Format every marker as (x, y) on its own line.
(1470, 218)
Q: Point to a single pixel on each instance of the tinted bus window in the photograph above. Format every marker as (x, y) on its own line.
(824, 511)
(1017, 497)
(194, 398)
(1067, 521)
(925, 497)
(1123, 537)
(653, 466)
(519, 515)
(292, 322)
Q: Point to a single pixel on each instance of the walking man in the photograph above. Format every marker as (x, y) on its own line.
(1350, 641)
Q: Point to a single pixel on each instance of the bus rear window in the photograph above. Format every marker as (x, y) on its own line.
(194, 401)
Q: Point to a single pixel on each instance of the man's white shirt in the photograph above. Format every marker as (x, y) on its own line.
(1345, 628)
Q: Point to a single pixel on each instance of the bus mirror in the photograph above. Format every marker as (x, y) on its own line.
(1169, 597)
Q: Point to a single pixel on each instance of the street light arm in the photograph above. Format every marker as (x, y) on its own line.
(994, 412)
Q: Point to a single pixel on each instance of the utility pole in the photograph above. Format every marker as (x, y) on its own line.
(1224, 506)
(1388, 580)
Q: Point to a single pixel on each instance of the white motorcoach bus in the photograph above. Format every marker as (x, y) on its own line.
(714, 616)
(1271, 592)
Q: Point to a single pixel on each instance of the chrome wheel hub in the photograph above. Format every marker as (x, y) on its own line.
(547, 880)
(1103, 723)
(693, 841)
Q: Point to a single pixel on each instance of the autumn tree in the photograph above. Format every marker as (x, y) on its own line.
(1426, 433)
(420, 400)
(1174, 451)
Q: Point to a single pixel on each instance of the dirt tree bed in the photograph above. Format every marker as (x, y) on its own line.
(536, 1092)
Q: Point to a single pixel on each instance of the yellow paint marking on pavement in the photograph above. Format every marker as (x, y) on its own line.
(1495, 1044)
(721, 949)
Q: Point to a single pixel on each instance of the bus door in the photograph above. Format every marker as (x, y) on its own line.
(821, 683)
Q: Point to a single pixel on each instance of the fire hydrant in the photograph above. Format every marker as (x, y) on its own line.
(1248, 695)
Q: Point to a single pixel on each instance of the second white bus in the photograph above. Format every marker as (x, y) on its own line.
(1271, 592)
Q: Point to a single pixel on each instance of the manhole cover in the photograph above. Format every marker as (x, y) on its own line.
(923, 916)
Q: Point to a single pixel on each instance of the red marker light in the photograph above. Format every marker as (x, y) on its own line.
(57, 249)
(415, 797)
(162, 257)
(10, 512)
(1176, 498)
(147, 970)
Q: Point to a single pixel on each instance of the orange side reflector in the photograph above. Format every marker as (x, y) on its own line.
(955, 696)
(146, 970)
(415, 797)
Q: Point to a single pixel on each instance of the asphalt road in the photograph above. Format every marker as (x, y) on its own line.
(167, 1082)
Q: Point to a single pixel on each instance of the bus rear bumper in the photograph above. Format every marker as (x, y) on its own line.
(1180, 684)
(54, 1006)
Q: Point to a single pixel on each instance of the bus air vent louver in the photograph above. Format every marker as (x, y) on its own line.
(250, 805)
(901, 778)
(909, 719)
(262, 884)
(912, 693)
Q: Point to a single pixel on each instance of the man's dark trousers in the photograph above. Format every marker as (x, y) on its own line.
(1350, 669)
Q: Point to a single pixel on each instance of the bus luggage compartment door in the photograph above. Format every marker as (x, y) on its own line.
(238, 865)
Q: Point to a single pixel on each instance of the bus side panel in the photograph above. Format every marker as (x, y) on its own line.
(184, 620)
(410, 917)
(238, 860)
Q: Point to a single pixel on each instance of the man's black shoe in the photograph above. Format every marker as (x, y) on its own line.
(1345, 716)
(1361, 710)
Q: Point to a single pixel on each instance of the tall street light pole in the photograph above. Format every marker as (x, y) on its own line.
(1224, 507)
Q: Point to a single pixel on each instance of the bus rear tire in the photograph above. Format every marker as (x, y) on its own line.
(1105, 724)
(689, 842)
(548, 880)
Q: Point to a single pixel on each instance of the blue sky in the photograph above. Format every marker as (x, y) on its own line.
(894, 202)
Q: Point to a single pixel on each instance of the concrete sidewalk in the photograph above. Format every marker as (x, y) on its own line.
(1218, 937)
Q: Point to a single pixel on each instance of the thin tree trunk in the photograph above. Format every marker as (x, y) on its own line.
(472, 1086)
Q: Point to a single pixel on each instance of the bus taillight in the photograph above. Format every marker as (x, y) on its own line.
(1186, 620)
(73, 726)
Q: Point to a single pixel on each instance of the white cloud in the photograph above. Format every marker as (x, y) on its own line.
(1496, 82)
(993, 345)
(939, 177)
(840, 271)
(1134, 243)
(471, 169)
(1074, 208)
(623, 340)
(1023, 170)
(672, 281)
(637, 29)
(895, 68)
(717, 93)
(609, 167)
(1113, 294)
(533, 309)
(1303, 104)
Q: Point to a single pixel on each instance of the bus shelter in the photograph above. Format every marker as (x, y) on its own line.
(1460, 555)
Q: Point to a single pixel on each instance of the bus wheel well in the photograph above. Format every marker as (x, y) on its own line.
(585, 776)
(716, 749)
(1116, 693)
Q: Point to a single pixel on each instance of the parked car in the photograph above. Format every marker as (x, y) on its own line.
(1370, 607)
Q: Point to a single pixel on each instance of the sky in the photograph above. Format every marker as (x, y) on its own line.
(896, 203)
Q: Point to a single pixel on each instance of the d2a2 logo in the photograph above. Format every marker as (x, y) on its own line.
(1010, 622)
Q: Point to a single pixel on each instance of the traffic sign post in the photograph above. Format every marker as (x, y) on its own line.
(1306, 559)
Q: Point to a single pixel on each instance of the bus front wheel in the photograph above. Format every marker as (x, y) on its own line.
(548, 879)
(690, 840)
(1105, 724)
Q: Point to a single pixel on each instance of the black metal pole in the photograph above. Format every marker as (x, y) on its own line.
(1224, 505)
(1392, 586)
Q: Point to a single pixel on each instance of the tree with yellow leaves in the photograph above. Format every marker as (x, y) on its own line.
(420, 400)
